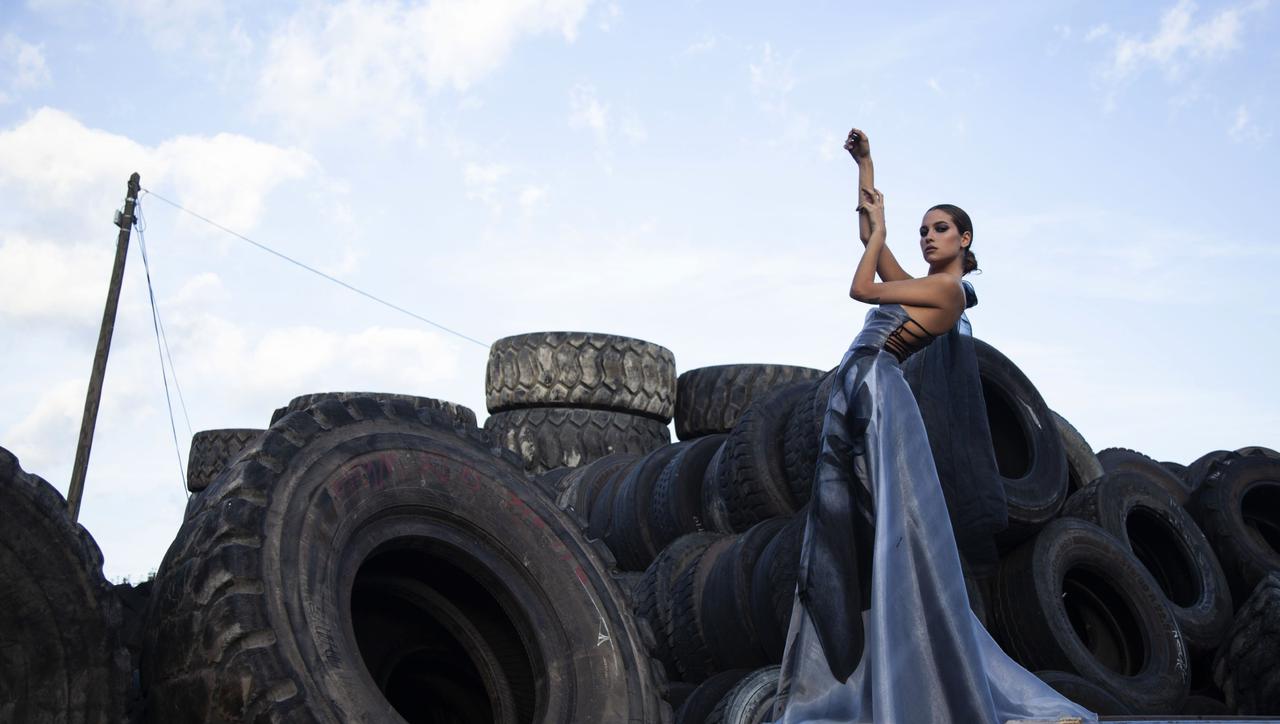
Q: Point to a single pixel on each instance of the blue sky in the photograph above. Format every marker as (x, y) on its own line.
(670, 171)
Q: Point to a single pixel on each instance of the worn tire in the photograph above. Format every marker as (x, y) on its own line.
(61, 659)
(363, 547)
(1119, 459)
(711, 399)
(728, 625)
(212, 451)
(751, 475)
(581, 369)
(1238, 508)
(554, 437)
(715, 510)
(1193, 477)
(1084, 692)
(801, 443)
(653, 593)
(1027, 445)
(1169, 544)
(676, 506)
(460, 414)
(578, 489)
(689, 648)
(773, 586)
(630, 537)
(1074, 575)
(1083, 466)
(704, 699)
(1247, 665)
(750, 701)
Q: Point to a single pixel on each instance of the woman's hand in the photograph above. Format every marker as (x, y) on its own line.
(858, 146)
(872, 208)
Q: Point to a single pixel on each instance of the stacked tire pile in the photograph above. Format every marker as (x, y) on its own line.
(563, 399)
(1110, 584)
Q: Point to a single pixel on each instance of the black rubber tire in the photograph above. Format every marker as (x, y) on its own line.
(1238, 508)
(629, 537)
(1075, 576)
(689, 649)
(1164, 537)
(312, 568)
(1028, 447)
(1085, 693)
(133, 610)
(773, 586)
(1119, 459)
(751, 475)
(676, 506)
(61, 659)
(460, 414)
(1247, 665)
(703, 700)
(581, 369)
(1083, 467)
(579, 488)
(821, 396)
(715, 511)
(750, 701)
(711, 399)
(1259, 450)
(1201, 706)
(554, 437)
(1195, 473)
(1177, 469)
(801, 443)
(654, 591)
(728, 626)
(212, 451)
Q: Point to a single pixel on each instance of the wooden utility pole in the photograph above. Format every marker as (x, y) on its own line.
(124, 220)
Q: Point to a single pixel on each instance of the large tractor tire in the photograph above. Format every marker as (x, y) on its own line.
(363, 561)
(212, 451)
(711, 399)
(61, 659)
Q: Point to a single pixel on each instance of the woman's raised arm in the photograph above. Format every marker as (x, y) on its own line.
(935, 290)
(859, 147)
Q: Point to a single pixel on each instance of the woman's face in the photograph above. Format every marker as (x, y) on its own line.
(940, 240)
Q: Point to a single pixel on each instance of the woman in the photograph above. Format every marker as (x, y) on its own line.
(881, 628)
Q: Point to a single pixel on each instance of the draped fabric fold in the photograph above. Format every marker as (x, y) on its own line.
(879, 540)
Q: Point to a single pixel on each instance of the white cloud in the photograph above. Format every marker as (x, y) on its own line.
(771, 78)
(705, 44)
(1244, 128)
(481, 181)
(532, 197)
(1096, 32)
(67, 177)
(375, 62)
(587, 111)
(1178, 41)
(23, 64)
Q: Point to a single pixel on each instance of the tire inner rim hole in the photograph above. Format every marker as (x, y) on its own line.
(1009, 437)
(1161, 551)
(1260, 508)
(1104, 621)
(436, 642)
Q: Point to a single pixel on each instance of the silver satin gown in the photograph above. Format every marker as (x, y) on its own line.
(925, 657)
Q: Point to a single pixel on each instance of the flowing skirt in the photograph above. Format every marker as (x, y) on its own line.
(925, 657)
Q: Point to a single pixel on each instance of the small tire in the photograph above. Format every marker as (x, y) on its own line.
(704, 699)
(460, 414)
(1119, 459)
(1165, 538)
(1075, 576)
(554, 437)
(751, 475)
(1247, 665)
(1084, 692)
(711, 399)
(1083, 466)
(676, 506)
(586, 370)
(750, 701)
(212, 451)
(1028, 448)
(1238, 508)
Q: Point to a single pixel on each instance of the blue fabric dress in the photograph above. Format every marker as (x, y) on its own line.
(879, 540)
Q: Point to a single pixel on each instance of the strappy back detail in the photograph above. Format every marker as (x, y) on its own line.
(910, 337)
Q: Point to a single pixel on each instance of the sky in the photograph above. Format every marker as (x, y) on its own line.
(667, 171)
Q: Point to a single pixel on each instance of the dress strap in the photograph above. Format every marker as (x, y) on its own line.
(902, 347)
